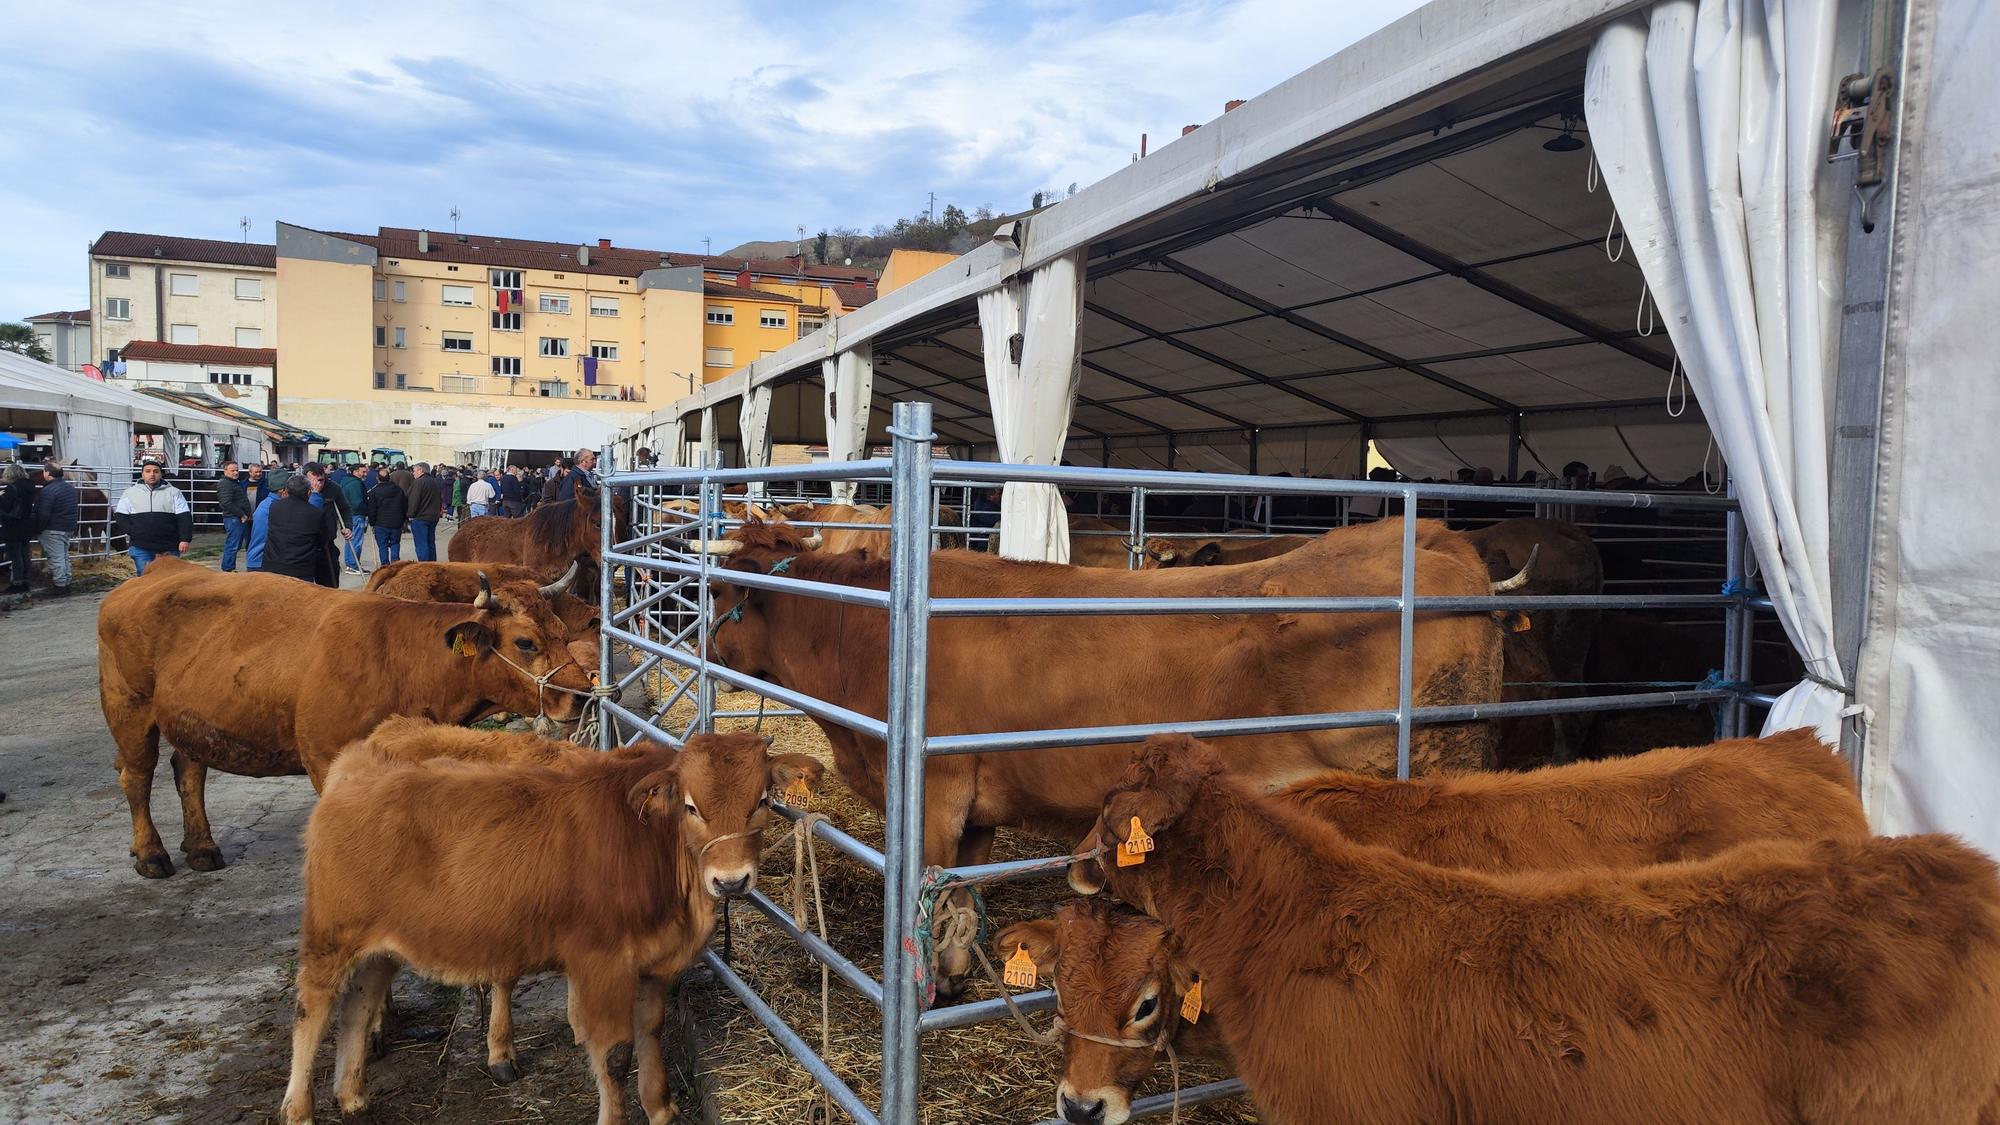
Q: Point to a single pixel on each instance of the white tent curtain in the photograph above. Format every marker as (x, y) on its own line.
(673, 444)
(1708, 121)
(850, 390)
(97, 441)
(754, 415)
(1032, 399)
(704, 451)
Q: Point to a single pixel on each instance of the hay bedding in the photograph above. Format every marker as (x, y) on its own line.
(984, 1075)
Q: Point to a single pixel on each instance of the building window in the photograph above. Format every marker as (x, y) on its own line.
(438, 422)
(810, 324)
(604, 306)
(117, 269)
(381, 380)
(249, 337)
(507, 365)
(401, 422)
(458, 341)
(117, 308)
(381, 336)
(721, 314)
(504, 279)
(183, 334)
(183, 285)
(771, 318)
(496, 425)
(460, 295)
(555, 303)
(603, 351)
(249, 289)
(381, 290)
(459, 384)
(555, 347)
(719, 357)
(553, 388)
(402, 337)
(230, 378)
(506, 322)
(400, 291)
(402, 384)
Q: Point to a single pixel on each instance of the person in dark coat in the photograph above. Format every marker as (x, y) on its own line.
(513, 499)
(17, 523)
(257, 483)
(302, 534)
(356, 494)
(582, 470)
(427, 500)
(388, 510)
(56, 522)
(233, 498)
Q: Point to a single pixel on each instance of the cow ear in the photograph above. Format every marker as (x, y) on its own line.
(469, 639)
(1086, 873)
(1208, 554)
(788, 771)
(655, 794)
(1038, 937)
(1180, 971)
(1160, 785)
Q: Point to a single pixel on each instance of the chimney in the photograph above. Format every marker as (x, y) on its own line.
(604, 244)
(423, 242)
(1186, 129)
(1231, 104)
(1142, 146)
(583, 255)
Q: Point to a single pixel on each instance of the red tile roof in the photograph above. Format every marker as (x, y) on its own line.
(80, 316)
(718, 289)
(854, 296)
(200, 353)
(615, 261)
(125, 244)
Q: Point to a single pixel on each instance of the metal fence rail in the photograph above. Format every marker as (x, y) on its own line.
(672, 587)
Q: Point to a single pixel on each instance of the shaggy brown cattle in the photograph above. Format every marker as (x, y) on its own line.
(546, 540)
(606, 869)
(1104, 552)
(1029, 673)
(459, 582)
(256, 674)
(1556, 644)
(1668, 805)
(835, 539)
(1840, 982)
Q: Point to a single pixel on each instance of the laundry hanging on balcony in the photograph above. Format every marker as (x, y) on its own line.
(590, 371)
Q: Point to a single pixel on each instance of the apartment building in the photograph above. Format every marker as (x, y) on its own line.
(186, 314)
(65, 336)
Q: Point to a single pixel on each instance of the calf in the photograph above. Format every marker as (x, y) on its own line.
(1671, 804)
(1839, 982)
(472, 872)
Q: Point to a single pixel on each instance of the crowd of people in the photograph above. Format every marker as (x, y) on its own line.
(311, 522)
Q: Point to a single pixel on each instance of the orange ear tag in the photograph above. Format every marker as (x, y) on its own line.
(462, 647)
(1133, 851)
(1519, 623)
(1191, 1004)
(797, 793)
(1019, 971)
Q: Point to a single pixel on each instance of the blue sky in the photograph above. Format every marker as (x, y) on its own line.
(653, 125)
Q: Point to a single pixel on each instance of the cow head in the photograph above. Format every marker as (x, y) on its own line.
(522, 652)
(1156, 790)
(717, 795)
(738, 630)
(1119, 979)
(1183, 552)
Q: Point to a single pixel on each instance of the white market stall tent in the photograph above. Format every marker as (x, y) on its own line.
(94, 423)
(559, 434)
(1510, 238)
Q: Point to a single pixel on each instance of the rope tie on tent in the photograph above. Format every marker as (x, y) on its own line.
(1676, 376)
(1590, 174)
(1642, 321)
(1622, 240)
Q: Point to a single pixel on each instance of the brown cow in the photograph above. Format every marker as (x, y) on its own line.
(1840, 982)
(255, 674)
(1227, 550)
(1040, 672)
(546, 540)
(470, 872)
(459, 582)
(834, 539)
(1555, 647)
(1668, 805)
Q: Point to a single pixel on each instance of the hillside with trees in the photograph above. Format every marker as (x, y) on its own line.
(950, 229)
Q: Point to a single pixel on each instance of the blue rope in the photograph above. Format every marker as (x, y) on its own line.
(1737, 588)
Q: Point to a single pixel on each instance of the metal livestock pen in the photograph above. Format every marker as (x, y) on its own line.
(666, 626)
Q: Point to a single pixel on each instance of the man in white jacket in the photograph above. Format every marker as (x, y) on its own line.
(154, 517)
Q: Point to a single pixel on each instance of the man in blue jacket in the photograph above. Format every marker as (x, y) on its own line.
(55, 518)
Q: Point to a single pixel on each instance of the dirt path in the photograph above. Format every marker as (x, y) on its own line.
(125, 999)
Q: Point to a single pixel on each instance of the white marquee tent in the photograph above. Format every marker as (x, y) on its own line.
(94, 423)
(558, 433)
(1407, 244)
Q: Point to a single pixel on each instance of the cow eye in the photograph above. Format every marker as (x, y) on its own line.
(1146, 1009)
(524, 644)
(764, 802)
(692, 811)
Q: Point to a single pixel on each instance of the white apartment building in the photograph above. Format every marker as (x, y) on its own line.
(186, 314)
(65, 336)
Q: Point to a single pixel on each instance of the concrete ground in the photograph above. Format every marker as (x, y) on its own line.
(125, 999)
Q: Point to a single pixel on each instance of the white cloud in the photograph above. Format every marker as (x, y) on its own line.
(644, 123)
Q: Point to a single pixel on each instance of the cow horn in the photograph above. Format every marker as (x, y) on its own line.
(722, 546)
(1521, 579)
(485, 597)
(812, 542)
(561, 584)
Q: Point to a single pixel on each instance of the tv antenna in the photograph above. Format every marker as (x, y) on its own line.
(454, 218)
(243, 224)
(707, 249)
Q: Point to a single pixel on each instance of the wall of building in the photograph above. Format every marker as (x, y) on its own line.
(214, 311)
(905, 266)
(746, 339)
(672, 359)
(203, 379)
(68, 344)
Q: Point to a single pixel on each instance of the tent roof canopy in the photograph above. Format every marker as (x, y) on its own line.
(559, 433)
(30, 384)
(1383, 240)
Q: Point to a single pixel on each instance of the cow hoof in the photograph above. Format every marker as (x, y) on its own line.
(504, 1073)
(154, 866)
(205, 859)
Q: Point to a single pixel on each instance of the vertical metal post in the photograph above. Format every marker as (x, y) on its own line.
(711, 528)
(1735, 622)
(607, 538)
(903, 850)
(1514, 447)
(1406, 655)
(1135, 546)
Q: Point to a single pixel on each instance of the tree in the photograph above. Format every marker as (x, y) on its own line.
(984, 212)
(953, 220)
(22, 339)
(1037, 204)
(820, 245)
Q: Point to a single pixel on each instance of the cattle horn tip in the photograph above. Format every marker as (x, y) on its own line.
(722, 546)
(812, 542)
(485, 593)
(561, 584)
(1521, 578)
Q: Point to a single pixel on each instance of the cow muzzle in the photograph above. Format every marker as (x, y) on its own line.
(1095, 1107)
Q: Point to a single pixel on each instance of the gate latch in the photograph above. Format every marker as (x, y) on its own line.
(1863, 121)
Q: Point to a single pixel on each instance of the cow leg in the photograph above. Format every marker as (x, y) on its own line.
(320, 977)
(500, 1033)
(947, 803)
(602, 1002)
(649, 1014)
(138, 756)
(197, 841)
(364, 998)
